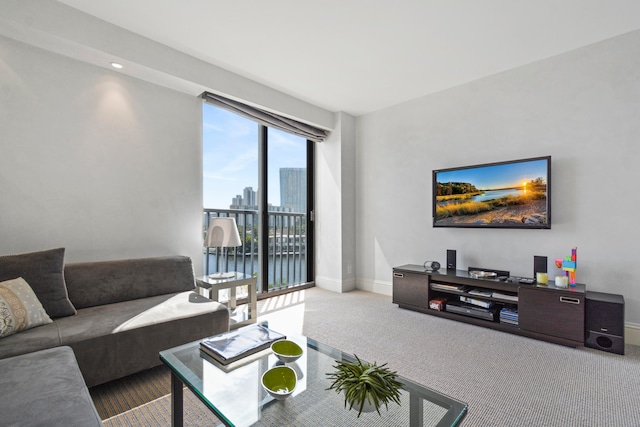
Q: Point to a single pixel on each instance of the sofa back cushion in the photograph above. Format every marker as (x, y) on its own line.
(43, 271)
(98, 283)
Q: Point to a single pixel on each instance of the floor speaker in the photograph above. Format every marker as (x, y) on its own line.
(604, 321)
(451, 259)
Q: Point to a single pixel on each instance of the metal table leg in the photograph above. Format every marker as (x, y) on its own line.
(416, 409)
(176, 401)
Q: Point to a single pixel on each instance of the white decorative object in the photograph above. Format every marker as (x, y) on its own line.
(562, 282)
(223, 234)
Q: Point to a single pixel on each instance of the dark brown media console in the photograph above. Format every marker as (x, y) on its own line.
(544, 312)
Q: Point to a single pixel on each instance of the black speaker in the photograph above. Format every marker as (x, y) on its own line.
(539, 264)
(451, 259)
(604, 322)
(431, 265)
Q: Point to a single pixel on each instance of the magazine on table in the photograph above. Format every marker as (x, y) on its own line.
(234, 345)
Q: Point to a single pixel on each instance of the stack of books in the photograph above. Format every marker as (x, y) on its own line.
(234, 345)
(509, 316)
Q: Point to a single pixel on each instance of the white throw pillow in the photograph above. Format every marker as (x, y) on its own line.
(20, 308)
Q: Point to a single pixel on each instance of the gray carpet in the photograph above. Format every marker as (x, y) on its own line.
(505, 379)
(144, 400)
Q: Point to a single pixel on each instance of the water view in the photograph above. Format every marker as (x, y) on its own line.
(284, 270)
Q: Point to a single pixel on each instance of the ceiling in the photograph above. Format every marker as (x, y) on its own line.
(359, 56)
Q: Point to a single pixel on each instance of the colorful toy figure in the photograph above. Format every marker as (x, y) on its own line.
(569, 265)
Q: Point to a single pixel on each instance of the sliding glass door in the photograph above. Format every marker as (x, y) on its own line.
(263, 178)
(287, 177)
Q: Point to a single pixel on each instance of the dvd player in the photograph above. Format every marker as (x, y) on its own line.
(477, 312)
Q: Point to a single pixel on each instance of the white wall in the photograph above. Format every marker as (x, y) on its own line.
(348, 193)
(335, 250)
(103, 164)
(582, 108)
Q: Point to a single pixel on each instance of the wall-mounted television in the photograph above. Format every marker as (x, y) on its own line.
(511, 194)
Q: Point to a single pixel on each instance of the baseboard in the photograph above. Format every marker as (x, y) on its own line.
(349, 284)
(632, 333)
(377, 286)
(385, 288)
(335, 285)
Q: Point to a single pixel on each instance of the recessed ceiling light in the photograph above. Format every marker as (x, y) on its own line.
(116, 65)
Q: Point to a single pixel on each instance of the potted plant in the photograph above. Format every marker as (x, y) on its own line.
(365, 384)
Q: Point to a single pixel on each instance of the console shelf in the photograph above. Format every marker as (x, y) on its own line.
(546, 313)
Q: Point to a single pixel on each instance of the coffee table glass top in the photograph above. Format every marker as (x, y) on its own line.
(236, 397)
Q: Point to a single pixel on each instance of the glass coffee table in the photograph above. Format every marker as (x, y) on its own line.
(235, 395)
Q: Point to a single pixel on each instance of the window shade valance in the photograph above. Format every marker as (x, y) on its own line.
(267, 118)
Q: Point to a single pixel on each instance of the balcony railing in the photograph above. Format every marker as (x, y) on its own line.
(287, 248)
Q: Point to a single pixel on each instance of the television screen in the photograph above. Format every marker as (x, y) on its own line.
(513, 194)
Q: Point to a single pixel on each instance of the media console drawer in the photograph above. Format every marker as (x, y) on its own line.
(552, 311)
(410, 289)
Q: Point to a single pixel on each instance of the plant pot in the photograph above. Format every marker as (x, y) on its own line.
(366, 407)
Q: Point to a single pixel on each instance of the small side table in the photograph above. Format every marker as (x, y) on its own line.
(213, 286)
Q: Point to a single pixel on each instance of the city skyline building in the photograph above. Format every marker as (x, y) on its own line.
(250, 197)
(248, 200)
(293, 189)
(293, 193)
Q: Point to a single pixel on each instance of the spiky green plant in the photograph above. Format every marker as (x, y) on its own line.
(362, 380)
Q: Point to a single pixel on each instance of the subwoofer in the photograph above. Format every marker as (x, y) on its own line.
(604, 322)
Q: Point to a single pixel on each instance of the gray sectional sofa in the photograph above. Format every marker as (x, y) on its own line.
(115, 316)
(125, 313)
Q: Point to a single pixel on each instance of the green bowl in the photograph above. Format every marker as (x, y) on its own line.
(287, 351)
(279, 382)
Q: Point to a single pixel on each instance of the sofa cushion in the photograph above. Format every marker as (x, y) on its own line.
(19, 308)
(93, 284)
(45, 388)
(40, 338)
(119, 339)
(119, 317)
(44, 273)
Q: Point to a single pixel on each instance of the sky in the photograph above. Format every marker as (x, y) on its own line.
(497, 176)
(230, 157)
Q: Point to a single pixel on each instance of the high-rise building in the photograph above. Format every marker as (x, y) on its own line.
(249, 198)
(293, 189)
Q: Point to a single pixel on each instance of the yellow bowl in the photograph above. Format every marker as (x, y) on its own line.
(279, 382)
(287, 351)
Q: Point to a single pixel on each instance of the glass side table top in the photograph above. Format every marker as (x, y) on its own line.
(235, 276)
(236, 397)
